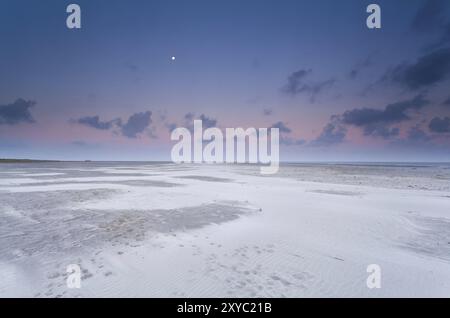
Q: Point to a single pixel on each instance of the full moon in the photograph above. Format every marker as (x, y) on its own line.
(173, 58)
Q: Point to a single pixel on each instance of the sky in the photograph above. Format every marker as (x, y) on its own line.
(337, 90)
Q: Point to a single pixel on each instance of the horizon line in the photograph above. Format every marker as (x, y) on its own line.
(27, 160)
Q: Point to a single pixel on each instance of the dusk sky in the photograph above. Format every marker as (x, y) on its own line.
(337, 90)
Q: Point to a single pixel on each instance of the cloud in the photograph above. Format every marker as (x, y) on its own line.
(295, 81)
(298, 83)
(136, 124)
(381, 131)
(16, 112)
(392, 113)
(446, 102)
(189, 117)
(286, 140)
(131, 67)
(428, 70)
(440, 125)
(376, 122)
(170, 126)
(443, 40)
(207, 121)
(415, 134)
(267, 111)
(333, 133)
(373, 122)
(416, 138)
(95, 122)
(188, 122)
(282, 127)
(357, 69)
(430, 16)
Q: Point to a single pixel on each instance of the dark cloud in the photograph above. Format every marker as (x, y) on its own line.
(189, 117)
(298, 83)
(428, 70)
(377, 122)
(267, 112)
(333, 133)
(282, 127)
(392, 113)
(353, 73)
(295, 81)
(373, 122)
(443, 40)
(170, 126)
(416, 138)
(357, 69)
(188, 122)
(136, 124)
(17, 112)
(95, 122)
(445, 37)
(286, 140)
(446, 102)
(207, 121)
(429, 16)
(382, 131)
(132, 67)
(440, 125)
(415, 134)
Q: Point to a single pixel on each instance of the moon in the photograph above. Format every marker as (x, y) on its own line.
(173, 58)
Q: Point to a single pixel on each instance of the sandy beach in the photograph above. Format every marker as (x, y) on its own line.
(167, 230)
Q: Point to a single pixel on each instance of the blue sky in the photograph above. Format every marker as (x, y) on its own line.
(110, 91)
